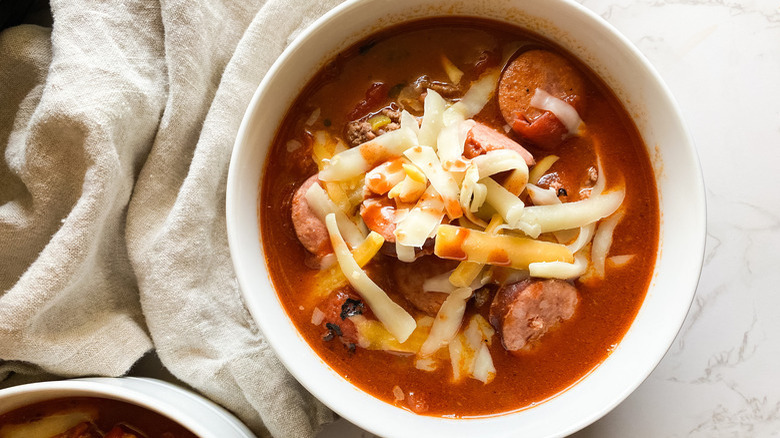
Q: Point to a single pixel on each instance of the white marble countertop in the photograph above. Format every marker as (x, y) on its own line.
(721, 377)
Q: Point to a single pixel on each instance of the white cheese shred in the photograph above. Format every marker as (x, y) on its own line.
(321, 204)
(560, 270)
(396, 320)
(562, 110)
(602, 241)
(422, 221)
(447, 321)
(432, 121)
(568, 215)
(425, 158)
(358, 160)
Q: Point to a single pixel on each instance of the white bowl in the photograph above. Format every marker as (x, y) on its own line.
(678, 177)
(202, 417)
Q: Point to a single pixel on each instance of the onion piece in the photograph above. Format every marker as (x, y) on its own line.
(425, 158)
(313, 117)
(293, 145)
(569, 214)
(562, 110)
(317, 316)
(395, 319)
(398, 393)
(458, 356)
(453, 72)
(619, 261)
(447, 321)
(602, 241)
(321, 204)
(484, 370)
(360, 159)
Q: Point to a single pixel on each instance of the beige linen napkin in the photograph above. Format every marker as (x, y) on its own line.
(116, 128)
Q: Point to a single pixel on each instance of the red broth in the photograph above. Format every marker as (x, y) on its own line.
(92, 417)
(606, 308)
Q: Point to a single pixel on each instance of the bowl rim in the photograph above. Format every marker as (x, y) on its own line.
(676, 317)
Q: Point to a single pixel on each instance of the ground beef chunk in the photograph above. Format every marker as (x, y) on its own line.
(412, 96)
(311, 231)
(547, 71)
(359, 131)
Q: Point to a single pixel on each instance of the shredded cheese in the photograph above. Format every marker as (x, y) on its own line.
(562, 110)
(457, 243)
(360, 159)
(432, 122)
(421, 221)
(395, 319)
(560, 270)
(447, 321)
(602, 241)
(542, 166)
(467, 271)
(508, 205)
(427, 161)
(568, 215)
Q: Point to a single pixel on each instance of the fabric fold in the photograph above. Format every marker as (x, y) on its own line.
(117, 127)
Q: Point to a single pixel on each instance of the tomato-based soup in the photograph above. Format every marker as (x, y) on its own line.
(544, 329)
(89, 417)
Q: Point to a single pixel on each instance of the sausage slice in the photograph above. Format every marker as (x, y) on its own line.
(550, 72)
(523, 312)
(336, 310)
(311, 231)
(409, 279)
(482, 138)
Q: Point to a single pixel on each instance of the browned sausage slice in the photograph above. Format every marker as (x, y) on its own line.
(523, 312)
(538, 69)
(482, 138)
(336, 310)
(409, 279)
(311, 231)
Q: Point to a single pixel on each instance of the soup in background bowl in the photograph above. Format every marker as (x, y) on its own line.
(113, 407)
(389, 392)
